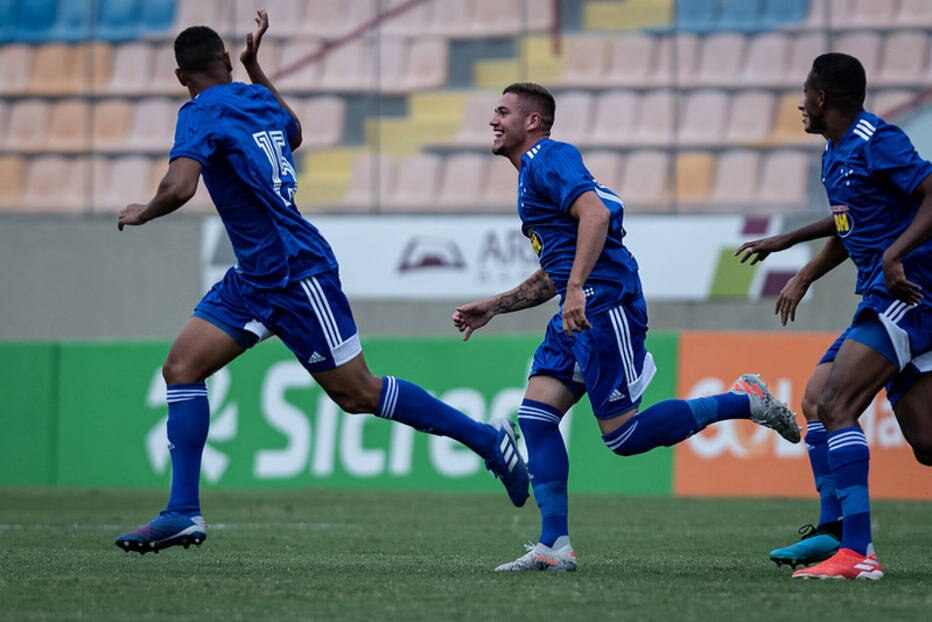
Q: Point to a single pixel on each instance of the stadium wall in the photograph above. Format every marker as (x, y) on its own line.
(94, 414)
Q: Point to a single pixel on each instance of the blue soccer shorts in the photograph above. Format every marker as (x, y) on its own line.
(608, 361)
(902, 333)
(312, 317)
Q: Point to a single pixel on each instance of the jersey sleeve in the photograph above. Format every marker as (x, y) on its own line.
(195, 134)
(562, 176)
(890, 153)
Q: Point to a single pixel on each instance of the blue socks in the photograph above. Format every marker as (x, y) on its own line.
(188, 422)
(817, 446)
(548, 466)
(411, 405)
(669, 422)
(849, 459)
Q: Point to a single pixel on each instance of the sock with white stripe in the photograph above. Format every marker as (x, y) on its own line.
(849, 459)
(411, 405)
(548, 466)
(817, 447)
(671, 421)
(188, 422)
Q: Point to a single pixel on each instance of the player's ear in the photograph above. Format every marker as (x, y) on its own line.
(181, 77)
(532, 122)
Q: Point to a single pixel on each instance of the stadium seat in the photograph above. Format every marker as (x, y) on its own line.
(28, 125)
(35, 19)
(631, 60)
(4, 122)
(427, 64)
(305, 77)
(271, 62)
(461, 179)
(662, 68)
(697, 15)
(585, 60)
(766, 61)
(645, 181)
(891, 102)
(388, 62)
(131, 69)
(575, 113)
(111, 122)
(693, 176)
(157, 16)
(214, 13)
(616, 118)
(499, 193)
(162, 80)
(58, 69)
(322, 119)
(686, 47)
(851, 14)
(413, 22)
(656, 118)
(741, 15)
(702, 117)
(69, 126)
(865, 46)
(117, 20)
(474, 130)
(416, 183)
(905, 54)
(74, 21)
(788, 127)
(751, 118)
(538, 15)
(8, 20)
(153, 125)
(497, 17)
(12, 177)
(784, 180)
(371, 180)
(914, 14)
(818, 16)
(450, 19)
(803, 50)
(286, 16)
(721, 58)
(120, 181)
(325, 19)
(350, 67)
(605, 167)
(736, 179)
(56, 183)
(784, 13)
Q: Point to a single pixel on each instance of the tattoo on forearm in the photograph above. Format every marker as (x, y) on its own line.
(534, 291)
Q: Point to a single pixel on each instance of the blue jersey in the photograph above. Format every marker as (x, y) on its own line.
(240, 135)
(870, 176)
(552, 176)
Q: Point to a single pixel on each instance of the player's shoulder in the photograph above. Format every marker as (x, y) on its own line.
(871, 129)
(549, 153)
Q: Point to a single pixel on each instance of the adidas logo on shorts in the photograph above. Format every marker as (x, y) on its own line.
(315, 358)
(616, 395)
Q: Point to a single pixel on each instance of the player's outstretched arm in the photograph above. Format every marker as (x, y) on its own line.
(758, 250)
(918, 232)
(535, 290)
(831, 255)
(250, 59)
(175, 189)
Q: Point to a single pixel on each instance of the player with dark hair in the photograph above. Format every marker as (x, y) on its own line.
(595, 344)
(880, 192)
(240, 138)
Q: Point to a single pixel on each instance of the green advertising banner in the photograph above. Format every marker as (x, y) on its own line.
(271, 425)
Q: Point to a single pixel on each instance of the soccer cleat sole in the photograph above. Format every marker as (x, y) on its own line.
(154, 547)
(793, 563)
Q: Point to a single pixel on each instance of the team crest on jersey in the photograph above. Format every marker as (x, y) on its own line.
(844, 221)
(536, 243)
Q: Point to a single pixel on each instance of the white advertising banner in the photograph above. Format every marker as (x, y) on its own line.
(457, 257)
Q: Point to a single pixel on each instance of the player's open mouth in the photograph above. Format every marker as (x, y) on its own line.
(498, 133)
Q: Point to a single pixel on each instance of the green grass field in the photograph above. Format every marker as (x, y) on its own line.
(358, 555)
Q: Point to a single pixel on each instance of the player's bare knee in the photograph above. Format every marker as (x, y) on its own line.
(357, 400)
(810, 406)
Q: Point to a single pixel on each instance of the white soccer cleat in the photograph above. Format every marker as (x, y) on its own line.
(767, 410)
(540, 557)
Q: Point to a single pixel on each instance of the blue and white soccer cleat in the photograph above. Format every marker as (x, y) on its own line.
(507, 463)
(165, 530)
(817, 544)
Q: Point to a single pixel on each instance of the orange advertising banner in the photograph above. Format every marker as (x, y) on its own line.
(739, 458)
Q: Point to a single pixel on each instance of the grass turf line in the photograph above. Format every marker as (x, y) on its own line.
(361, 555)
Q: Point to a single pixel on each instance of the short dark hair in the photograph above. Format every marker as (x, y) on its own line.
(197, 47)
(842, 77)
(543, 101)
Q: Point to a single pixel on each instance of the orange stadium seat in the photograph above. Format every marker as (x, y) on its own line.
(656, 118)
(12, 178)
(499, 193)
(15, 63)
(28, 125)
(56, 183)
(615, 119)
(111, 122)
(131, 69)
(703, 116)
(736, 178)
(575, 113)
(153, 125)
(784, 179)
(416, 184)
(767, 60)
(59, 69)
(865, 45)
(322, 120)
(371, 180)
(632, 60)
(120, 181)
(585, 60)
(69, 126)
(788, 127)
(693, 176)
(905, 54)
(462, 177)
(721, 59)
(645, 184)
(751, 117)
(605, 167)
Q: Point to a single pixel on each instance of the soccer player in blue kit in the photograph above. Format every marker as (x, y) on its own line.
(240, 138)
(880, 193)
(595, 343)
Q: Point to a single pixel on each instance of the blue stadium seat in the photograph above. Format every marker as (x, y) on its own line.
(35, 19)
(697, 15)
(157, 15)
(780, 12)
(7, 19)
(741, 15)
(117, 20)
(73, 21)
